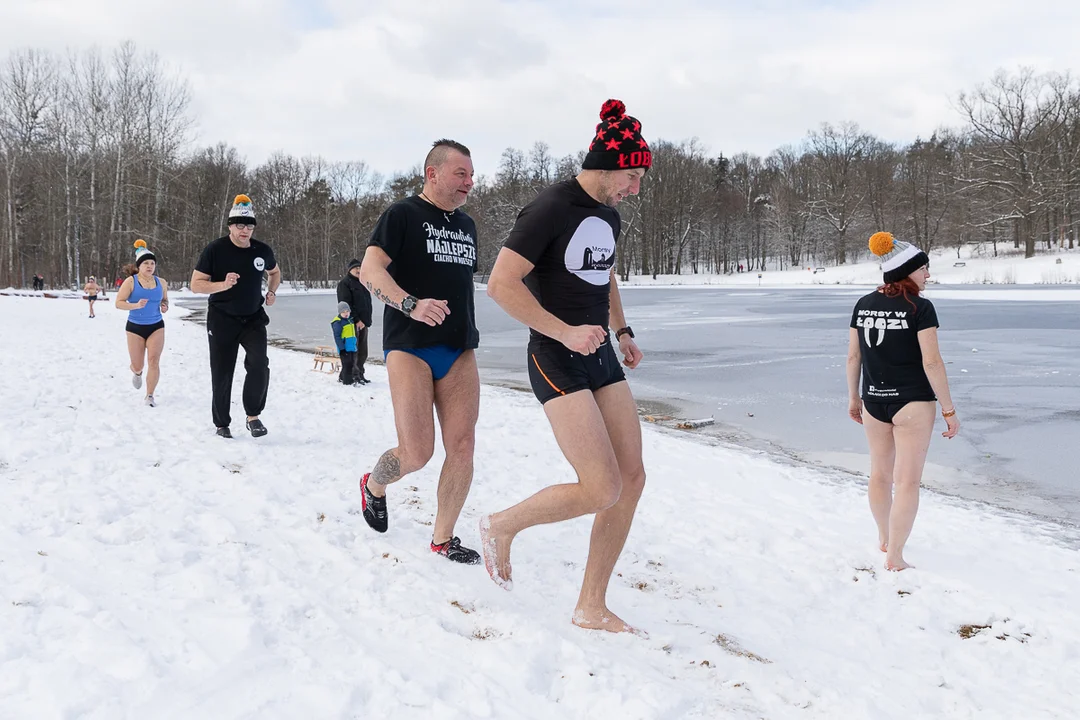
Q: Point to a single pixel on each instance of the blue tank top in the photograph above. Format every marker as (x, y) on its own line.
(150, 314)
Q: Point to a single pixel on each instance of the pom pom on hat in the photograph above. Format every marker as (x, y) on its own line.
(881, 243)
(613, 110)
(242, 212)
(140, 243)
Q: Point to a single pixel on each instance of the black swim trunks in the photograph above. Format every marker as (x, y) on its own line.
(555, 370)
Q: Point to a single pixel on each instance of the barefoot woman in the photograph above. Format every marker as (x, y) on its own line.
(145, 296)
(893, 341)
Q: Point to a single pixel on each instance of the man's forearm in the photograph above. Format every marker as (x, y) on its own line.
(273, 281)
(207, 287)
(616, 316)
(382, 286)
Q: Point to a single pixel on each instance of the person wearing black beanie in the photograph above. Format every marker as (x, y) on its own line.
(556, 275)
(350, 290)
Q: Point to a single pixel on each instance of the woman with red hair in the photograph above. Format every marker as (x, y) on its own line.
(893, 345)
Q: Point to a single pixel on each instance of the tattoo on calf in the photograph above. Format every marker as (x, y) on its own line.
(387, 470)
(381, 297)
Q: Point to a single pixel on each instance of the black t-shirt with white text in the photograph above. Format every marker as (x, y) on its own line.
(433, 255)
(570, 239)
(222, 257)
(892, 362)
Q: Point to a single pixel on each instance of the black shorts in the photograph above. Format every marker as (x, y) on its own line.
(91, 297)
(145, 331)
(554, 370)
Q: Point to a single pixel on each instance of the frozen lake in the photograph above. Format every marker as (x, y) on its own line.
(769, 366)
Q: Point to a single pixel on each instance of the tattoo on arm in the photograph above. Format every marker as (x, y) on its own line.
(387, 469)
(381, 297)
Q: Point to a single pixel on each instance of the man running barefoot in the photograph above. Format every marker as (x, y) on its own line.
(420, 263)
(555, 275)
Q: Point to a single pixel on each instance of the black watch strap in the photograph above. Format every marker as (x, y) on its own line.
(624, 331)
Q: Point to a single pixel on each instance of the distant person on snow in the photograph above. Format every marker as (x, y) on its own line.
(146, 297)
(345, 339)
(231, 269)
(91, 289)
(893, 344)
(572, 360)
(353, 292)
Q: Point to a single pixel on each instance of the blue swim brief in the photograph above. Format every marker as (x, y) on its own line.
(440, 358)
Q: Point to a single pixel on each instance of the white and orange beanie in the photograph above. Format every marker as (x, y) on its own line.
(142, 253)
(898, 258)
(242, 212)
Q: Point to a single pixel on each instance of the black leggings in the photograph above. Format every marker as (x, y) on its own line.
(227, 333)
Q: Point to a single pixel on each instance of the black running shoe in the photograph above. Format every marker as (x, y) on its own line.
(256, 427)
(224, 432)
(452, 549)
(374, 507)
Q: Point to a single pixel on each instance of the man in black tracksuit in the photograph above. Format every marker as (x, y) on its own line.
(231, 270)
(350, 290)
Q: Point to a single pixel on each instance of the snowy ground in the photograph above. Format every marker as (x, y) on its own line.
(152, 570)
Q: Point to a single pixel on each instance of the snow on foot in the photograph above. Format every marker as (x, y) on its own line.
(604, 619)
(492, 561)
(897, 565)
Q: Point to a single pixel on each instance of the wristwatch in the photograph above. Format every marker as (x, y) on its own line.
(624, 331)
(408, 304)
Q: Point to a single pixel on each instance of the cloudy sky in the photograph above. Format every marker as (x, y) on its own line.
(377, 80)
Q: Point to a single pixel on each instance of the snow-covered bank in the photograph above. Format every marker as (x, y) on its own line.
(975, 266)
(152, 570)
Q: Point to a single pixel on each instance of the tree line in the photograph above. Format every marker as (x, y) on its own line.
(97, 150)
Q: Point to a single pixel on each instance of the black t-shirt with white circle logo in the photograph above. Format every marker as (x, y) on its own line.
(433, 255)
(222, 257)
(570, 239)
(892, 362)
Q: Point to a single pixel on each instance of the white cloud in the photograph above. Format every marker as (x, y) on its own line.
(378, 80)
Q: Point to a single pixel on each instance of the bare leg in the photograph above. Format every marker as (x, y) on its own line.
(583, 438)
(912, 428)
(882, 459)
(611, 526)
(154, 345)
(136, 352)
(91, 308)
(412, 393)
(457, 401)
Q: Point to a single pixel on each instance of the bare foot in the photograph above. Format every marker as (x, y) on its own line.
(496, 555)
(603, 619)
(897, 565)
(884, 544)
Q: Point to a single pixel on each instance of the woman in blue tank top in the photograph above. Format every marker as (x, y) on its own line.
(145, 296)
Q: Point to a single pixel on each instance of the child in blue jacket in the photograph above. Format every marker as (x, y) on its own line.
(345, 339)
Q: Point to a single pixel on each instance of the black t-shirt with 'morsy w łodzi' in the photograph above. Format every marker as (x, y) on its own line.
(892, 362)
(432, 255)
(222, 257)
(570, 239)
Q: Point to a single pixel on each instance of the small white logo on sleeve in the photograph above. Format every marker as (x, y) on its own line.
(260, 264)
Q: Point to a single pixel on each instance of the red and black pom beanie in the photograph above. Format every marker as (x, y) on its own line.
(618, 144)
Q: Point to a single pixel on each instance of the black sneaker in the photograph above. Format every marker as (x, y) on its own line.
(256, 427)
(452, 549)
(224, 432)
(374, 507)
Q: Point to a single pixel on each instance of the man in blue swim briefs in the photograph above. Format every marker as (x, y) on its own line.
(420, 264)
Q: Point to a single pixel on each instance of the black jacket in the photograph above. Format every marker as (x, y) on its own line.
(352, 291)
